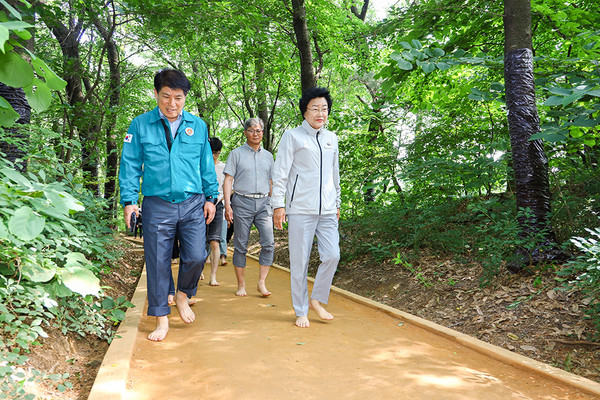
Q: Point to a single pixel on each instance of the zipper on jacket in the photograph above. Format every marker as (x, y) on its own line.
(320, 172)
(294, 189)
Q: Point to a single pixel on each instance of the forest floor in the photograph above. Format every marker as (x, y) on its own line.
(538, 321)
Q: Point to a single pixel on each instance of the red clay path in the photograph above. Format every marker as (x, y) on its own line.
(249, 348)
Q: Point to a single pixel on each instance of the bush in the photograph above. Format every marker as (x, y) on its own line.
(586, 272)
(52, 248)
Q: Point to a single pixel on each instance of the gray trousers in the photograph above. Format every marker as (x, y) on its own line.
(301, 232)
(248, 211)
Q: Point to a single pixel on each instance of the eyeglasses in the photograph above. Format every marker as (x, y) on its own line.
(253, 131)
(318, 110)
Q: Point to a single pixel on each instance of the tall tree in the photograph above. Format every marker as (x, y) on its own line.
(307, 72)
(530, 163)
(114, 96)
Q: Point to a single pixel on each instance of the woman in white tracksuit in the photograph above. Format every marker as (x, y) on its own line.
(306, 189)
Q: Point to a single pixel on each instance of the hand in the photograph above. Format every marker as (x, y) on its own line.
(278, 217)
(229, 214)
(209, 211)
(127, 211)
(338, 214)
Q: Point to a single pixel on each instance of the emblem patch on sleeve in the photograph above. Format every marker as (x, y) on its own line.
(128, 138)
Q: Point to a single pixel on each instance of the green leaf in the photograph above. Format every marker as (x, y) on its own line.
(25, 224)
(584, 121)
(4, 35)
(16, 177)
(36, 272)
(443, 66)
(407, 55)
(572, 98)
(3, 231)
(75, 259)
(8, 116)
(405, 45)
(428, 67)
(589, 141)
(15, 71)
(416, 44)
(459, 53)
(498, 87)
(81, 280)
(16, 25)
(419, 55)
(437, 52)
(396, 56)
(14, 12)
(38, 95)
(553, 101)
(405, 65)
(560, 91)
(595, 93)
(53, 81)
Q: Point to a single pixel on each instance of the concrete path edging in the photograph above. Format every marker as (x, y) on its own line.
(111, 380)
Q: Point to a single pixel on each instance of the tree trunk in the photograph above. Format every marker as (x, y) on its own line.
(87, 125)
(17, 139)
(307, 73)
(114, 91)
(530, 164)
(363, 12)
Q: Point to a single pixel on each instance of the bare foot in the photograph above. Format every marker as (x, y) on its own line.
(162, 327)
(302, 322)
(213, 281)
(262, 289)
(171, 300)
(241, 291)
(223, 261)
(202, 276)
(321, 311)
(185, 312)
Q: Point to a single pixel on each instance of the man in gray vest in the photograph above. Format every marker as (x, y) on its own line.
(248, 174)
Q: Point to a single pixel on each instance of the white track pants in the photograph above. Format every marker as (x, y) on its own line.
(302, 230)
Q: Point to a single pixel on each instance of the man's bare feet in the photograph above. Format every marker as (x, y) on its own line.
(202, 276)
(185, 312)
(302, 322)
(213, 281)
(241, 291)
(162, 327)
(321, 311)
(223, 260)
(262, 289)
(171, 300)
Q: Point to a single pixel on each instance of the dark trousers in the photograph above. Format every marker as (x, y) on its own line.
(162, 221)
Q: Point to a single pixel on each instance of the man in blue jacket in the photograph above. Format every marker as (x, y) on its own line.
(168, 148)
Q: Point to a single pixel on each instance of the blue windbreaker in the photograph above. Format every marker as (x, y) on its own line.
(173, 176)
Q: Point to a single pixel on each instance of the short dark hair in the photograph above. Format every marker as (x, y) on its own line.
(313, 93)
(171, 78)
(215, 144)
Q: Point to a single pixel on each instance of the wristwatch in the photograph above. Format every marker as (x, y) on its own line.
(211, 199)
(128, 203)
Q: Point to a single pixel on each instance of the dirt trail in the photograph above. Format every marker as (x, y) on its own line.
(249, 348)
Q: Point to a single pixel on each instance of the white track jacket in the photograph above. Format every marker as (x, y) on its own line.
(306, 175)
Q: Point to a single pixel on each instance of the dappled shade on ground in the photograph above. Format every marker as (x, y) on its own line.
(249, 348)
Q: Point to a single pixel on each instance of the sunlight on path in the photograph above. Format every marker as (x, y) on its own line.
(249, 348)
